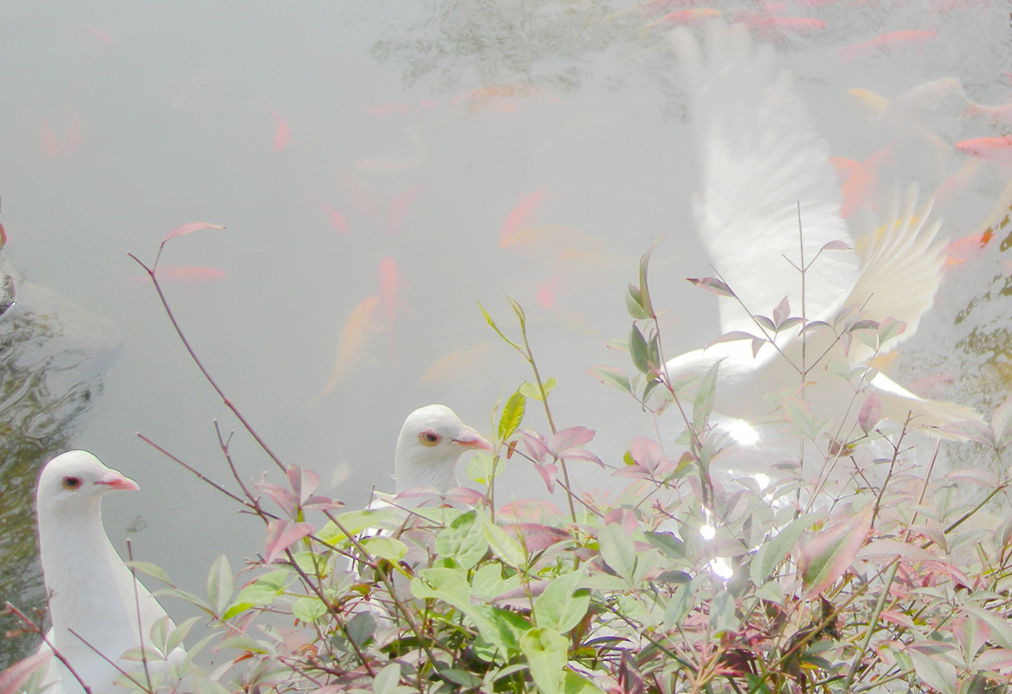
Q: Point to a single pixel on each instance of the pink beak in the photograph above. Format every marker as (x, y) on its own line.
(115, 480)
(469, 438)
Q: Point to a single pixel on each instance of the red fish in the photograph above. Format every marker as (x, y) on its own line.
(518, 217)
(683, 17)
(547, 292)
(99, 34)
(398, 209)
(967, 248)
(186, 274)
(993, 148)
(888, 41)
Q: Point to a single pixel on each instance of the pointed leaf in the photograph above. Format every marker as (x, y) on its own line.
(712, 284)
(546, 652)
(644, 294)
(638, 350)
(512, 415)
(563, 603)
(733, 336)
(611, 377)
(702, 406)
(17, 674)
(835, 246)
(870, 414)
(764, 322)
(825, 558)
(281, 534)
(781, 312)
(219, 584)
(633, 305)
(185, 229)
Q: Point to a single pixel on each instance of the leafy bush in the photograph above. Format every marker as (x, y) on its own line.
(685, 580)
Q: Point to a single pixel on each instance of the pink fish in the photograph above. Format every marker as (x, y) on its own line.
(353, 341)
(997, 149)
(887, 42)
(689, 16)
(518, 217)
(767, 24)
(859, 179)
(56, 147)
(958, 180)
(546, 294)
(967, 248)
(398, 209)
(337, 219)
(99, 34)
(390, 285)
(282, 132)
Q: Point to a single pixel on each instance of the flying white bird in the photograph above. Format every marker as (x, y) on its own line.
(95, 602)
(760, 158)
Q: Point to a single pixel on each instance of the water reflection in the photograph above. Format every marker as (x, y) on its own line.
(53, 356)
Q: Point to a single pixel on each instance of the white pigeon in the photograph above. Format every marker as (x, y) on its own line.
(760, 157)
(430, 442)
(93, 597)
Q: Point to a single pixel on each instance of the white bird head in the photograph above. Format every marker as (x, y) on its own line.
(73, 484)
(431, 440)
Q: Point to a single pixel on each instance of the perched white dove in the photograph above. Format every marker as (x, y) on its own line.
(759, 158)
(94, 600)
(430, 442)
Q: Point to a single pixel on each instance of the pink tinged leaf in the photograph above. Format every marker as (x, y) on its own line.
(548, 473)
(781, 312)
(281, 534)
(994, 659)
(465, 496)
(764, 321)
(825, 558)
(580, 454)
(185, 229)
(712, 284)
(17, 674)
(899, 618)
(870, 414)
(836, 246)
(970, 429)
(757, 344)
(646, 452)
(733, 336)
(282, 496)
(984, 478)
(537, 447)
(887, 550)
(536, 537)
(303, 482)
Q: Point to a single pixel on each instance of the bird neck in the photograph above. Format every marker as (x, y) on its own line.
(415, 471)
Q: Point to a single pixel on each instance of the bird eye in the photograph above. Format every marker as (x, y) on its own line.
(71, 482)
(429, 438)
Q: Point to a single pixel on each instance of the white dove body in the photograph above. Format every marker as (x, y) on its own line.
(92, 597)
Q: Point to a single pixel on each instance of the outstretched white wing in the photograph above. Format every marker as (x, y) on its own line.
(760, 157)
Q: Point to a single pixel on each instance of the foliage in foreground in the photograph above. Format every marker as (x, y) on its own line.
(889, 578)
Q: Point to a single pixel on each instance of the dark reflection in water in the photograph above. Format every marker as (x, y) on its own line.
(52, 359)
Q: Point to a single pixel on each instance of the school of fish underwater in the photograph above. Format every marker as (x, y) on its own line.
(341, 185)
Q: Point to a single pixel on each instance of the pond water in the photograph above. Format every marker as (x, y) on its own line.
(381, 167)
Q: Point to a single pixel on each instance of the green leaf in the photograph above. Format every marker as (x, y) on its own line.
(633, 305)
(389, 548)
(492, 323)
(722, 613)
(639, 351)
(531, 391)
(774, 550)
(702, 406)
(309, 609)
(546, 651)
(502, 544)
(463, 541)
(611, 377)
(563, 603)
(575, 684)
(512, 415)
(263, 591)
(179, 633)
(644, 297)
(150, 569)
(387, 679)
(826, 557)
(482, 468)
(617, 550)
(442, 583)
(219, 584)
(666, 542)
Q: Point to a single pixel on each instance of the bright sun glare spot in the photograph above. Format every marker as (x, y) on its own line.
(707, 531)
(722, 567)
(762, 480)
(742, 432)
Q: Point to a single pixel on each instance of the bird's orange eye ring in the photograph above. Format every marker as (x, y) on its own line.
(70, 482)
(429, 438)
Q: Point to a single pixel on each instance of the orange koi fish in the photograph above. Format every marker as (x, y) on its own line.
(997, 149)
(859, 179)
(546, 294)
(190, 273)
(518, 217)
(398, 209)
(683, 17)
(888, 42)
(460, 364)
(353, 341)
(55, 147)
(390, 284)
